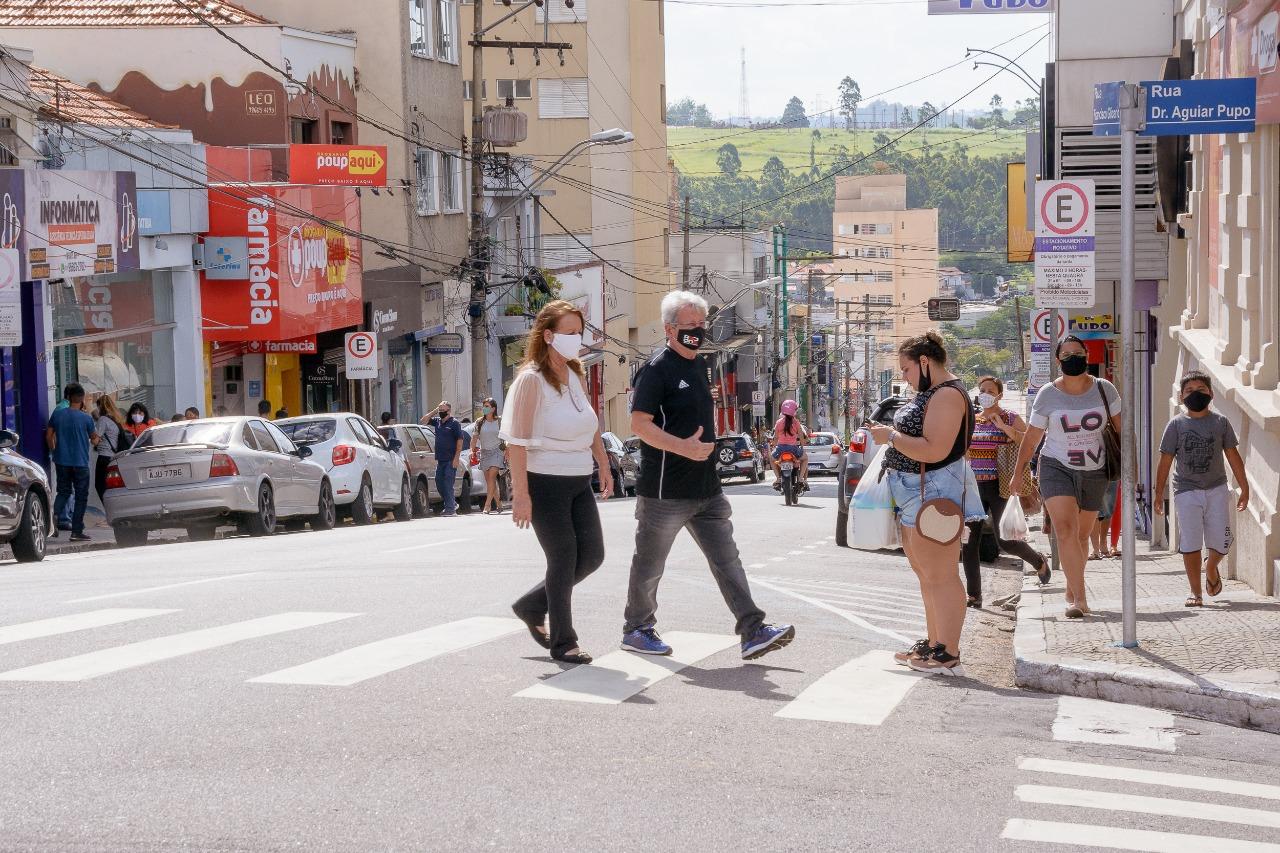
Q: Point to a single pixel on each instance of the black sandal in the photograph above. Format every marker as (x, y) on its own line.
(575, 655)
(1045, 572)
(536, 631)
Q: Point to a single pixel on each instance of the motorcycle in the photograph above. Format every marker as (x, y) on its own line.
(791, 484)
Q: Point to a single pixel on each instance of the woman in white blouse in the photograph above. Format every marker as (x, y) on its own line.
(553, 434)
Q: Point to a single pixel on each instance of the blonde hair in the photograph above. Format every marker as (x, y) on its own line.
(537, 352)
(107, 406)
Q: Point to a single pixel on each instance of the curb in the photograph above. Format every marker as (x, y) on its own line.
(1233, 702)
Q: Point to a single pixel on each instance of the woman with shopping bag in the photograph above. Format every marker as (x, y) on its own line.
(993, 455)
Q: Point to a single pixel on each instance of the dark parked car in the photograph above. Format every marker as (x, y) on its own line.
(415, 446)
(617, 453)
(627, 468)
(738, 456)
(26, 502)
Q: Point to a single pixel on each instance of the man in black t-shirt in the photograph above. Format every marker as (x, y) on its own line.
(672, 413)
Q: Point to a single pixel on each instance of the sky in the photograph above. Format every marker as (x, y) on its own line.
(805, 47)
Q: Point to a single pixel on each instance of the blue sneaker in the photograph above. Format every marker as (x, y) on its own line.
(645, 641)
(767, 638)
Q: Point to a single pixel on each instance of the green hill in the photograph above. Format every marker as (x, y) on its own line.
(694, 149)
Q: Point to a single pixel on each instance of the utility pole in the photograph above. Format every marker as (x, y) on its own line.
(807, 389)
(1131, 118)
(774, 304)
(1022, 348)
(477, 253)
(686, 243)
(866, 355)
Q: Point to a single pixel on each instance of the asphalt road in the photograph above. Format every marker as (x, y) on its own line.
(364, 689)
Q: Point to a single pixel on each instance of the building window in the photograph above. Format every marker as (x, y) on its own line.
(517, 89)
(428, 199)
(451, 181)
(564, 250)
(340, 133)
(562, 14)
(447, 30)
(562, 98)
(467, 87)
(884, 276)
(304, 131)
(419, 28)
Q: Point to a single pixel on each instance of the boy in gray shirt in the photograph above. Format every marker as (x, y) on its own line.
(1200, 440)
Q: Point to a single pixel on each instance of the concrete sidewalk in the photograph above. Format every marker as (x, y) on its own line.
(1218, 662)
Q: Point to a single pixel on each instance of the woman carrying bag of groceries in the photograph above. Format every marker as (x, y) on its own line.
(993, 455)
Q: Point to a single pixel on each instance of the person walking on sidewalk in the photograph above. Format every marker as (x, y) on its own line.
(1199, 441)
(71, 436)
(1071, 416)
(448, 435)
(679, 487)
(109, 426)
(926, 465)
(994, 428)
(554, 438)
(489, 449)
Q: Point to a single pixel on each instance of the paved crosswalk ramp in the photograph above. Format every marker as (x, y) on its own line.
(1239, 815)
(383, 656)
(865, 691)
(620, 675)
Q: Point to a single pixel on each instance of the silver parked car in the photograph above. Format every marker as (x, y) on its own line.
(26, 502)
(207, 473)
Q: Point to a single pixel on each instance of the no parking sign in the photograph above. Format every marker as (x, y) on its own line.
(362, 355)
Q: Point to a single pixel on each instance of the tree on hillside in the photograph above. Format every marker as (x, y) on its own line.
(1027, 112)
(774, 177)
(928, 112)
(850, 97)
(687, 113)
(793, 115)
(907, 120)
(728, 160)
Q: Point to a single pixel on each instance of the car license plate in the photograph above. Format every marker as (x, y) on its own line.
(788, 467)
(168, 472)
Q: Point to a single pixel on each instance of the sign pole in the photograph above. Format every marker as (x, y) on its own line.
(1131, 119)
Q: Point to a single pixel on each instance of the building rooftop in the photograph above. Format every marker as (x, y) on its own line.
(69, 102)
(123, 13)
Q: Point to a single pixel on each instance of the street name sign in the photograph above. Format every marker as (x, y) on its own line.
(988, 7)
(1106, 109)
(1065, 269)
(1187, 107)
(362, 355)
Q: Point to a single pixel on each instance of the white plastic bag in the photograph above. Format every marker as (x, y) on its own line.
(1013, 523)
(875, 526)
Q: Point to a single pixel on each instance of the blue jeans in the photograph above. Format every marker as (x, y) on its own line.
(954, 482)
(70, 477)
(446, 474)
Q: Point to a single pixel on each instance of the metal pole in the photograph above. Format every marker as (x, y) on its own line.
(774, 345)
(685, 279)
(1130, 124)
(807, 383)
(866, 355)
(1022, 347)
(479, 320)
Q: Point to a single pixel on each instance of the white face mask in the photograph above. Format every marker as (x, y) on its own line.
(986, 401)
(567, 345)
(137, 417)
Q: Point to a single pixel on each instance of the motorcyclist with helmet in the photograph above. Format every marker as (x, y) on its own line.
(789, 435)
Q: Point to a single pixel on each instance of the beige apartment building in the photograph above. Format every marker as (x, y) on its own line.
(609, 202)
(886, 257)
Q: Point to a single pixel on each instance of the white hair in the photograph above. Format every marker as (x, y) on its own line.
(676, 300)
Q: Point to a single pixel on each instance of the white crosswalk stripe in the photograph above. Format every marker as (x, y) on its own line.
(1263, 824)
(1094, 721)
(105, 661)
(865, 691)
(620, 675)
(383, 656)
(876, 607)
(74, 622)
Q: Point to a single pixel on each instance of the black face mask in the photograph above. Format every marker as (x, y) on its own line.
(925, 382)
(691, 338)
(1197, 401)
(1075, 365)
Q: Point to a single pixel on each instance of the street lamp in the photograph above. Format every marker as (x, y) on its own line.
(1009, 65)
(613, 136)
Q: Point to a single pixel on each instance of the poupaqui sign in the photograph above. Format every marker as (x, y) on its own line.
(1186, 107)
(1065, 244)
(338, 165)
(988, 7)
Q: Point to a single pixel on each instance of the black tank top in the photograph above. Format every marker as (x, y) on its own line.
(910, 422)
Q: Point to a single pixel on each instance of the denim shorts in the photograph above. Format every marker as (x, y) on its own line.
(948, 483)
(796, 450)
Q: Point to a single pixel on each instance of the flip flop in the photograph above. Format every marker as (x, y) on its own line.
(1215, 589)
(1193, 602)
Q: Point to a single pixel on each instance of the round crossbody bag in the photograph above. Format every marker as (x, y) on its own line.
(941, 520)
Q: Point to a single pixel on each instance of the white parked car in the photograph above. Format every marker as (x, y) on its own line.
(207, 473)
(368, 475)
(824, 452)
